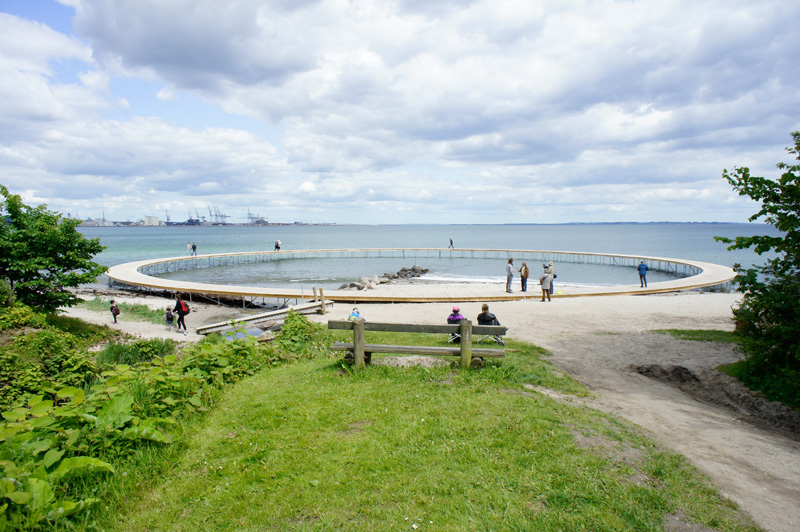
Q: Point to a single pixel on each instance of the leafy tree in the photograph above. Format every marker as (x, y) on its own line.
(768, 318)
(43, 253)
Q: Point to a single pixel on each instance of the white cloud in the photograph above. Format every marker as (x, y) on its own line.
(440, 111)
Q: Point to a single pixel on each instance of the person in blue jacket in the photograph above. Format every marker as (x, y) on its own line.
(643, 269)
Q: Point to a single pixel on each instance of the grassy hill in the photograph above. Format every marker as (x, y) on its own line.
(250, 437)
(317, 446)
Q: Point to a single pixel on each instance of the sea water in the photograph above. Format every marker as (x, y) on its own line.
(691, 241)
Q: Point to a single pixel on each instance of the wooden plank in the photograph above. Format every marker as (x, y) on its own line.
(491, 330)
(419, 350)
(466, 343)
(222, 325)
(358, 342)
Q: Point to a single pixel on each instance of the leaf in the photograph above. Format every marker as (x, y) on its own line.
(39, 422)
(71, 466)
(16, 415)
(41, 493)
(41, 408)
(41, 446)
(34, 400)
(76, 394)
(20, 497)
(195, 401)
(146, 433)
(63, 509)
(6, 433)
(7, 486)
(116, 412)
(52, 456)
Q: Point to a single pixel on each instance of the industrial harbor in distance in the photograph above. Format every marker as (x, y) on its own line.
(215, 218)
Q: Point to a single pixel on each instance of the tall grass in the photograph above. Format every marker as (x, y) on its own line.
(128, 311)
(135, 352)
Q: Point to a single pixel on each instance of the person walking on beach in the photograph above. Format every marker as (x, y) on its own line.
(545, 280)
(189, 248)
(194, 249)
(643, 269)
(551, 269)
(451, 244)
(181, 309)
(509, 274)
(114, 311)
(523, 276)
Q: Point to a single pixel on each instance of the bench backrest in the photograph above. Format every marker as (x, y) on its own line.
(491, 330)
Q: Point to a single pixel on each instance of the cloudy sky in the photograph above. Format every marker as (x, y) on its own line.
(396, 111)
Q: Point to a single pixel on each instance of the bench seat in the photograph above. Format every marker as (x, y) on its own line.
(419, 350)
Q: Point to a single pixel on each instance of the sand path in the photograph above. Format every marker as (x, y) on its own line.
(600, 341)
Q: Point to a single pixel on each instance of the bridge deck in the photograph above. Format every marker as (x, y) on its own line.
(419, 291)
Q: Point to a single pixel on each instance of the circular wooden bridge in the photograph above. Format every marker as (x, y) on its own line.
(142, 275)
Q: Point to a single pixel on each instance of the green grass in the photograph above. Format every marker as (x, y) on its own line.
(131, 312)
(701, 335)
(320, 446)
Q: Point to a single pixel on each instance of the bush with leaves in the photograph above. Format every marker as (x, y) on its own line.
(299, 338)
(42, 358)
(43, 253)
(19, 315)
(767, 318)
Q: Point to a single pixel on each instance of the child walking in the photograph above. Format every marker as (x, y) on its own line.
(169, 318)
(114, 311)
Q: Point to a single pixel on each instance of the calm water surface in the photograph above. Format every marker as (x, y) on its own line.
(685, 241)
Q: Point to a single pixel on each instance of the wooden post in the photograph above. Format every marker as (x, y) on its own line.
(315, 294)
(358, 341)
(322, 298)
(466, 343)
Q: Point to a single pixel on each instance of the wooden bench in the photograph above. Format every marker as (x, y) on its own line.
(361, 352)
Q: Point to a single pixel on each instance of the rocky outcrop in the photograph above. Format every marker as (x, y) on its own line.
(370, 283)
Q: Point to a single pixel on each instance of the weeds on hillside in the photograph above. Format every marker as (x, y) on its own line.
(56, 437)
(128, 311)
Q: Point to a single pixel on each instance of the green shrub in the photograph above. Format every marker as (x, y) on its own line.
(300, 338)
(6, 294)
(39, 360)
(19, 315)
(89, 333)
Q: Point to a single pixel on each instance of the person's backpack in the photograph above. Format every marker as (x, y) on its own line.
(185, 307)
(115, 310)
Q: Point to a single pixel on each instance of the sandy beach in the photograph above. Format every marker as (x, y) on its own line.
(601, 341)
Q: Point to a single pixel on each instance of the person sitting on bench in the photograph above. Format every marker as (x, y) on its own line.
(487, 318)
(455, 318)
